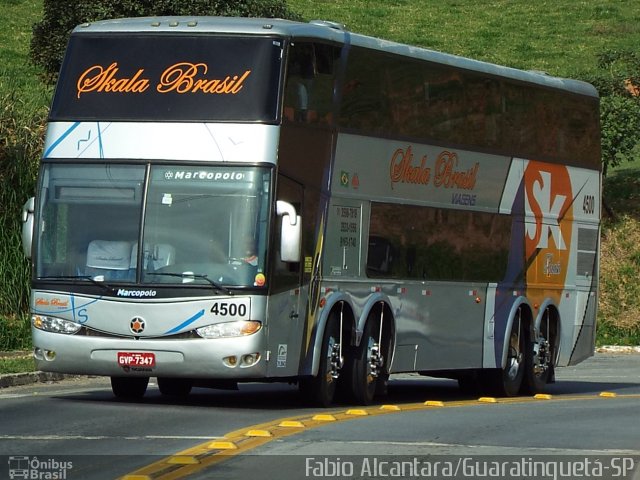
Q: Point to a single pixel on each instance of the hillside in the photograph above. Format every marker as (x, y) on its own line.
(561, 37)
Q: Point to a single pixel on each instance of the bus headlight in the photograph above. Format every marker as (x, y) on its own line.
(55, 325)
(229, 329)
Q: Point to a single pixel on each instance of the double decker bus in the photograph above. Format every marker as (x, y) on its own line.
(227, 200)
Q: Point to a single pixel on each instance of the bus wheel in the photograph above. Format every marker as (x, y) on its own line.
(175, 387)
(538, 360)
(321, 389)
(129, 387)
(506, 382)
(366, 366)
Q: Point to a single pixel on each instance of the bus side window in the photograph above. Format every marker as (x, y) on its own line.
(309, 84)
(380, 257)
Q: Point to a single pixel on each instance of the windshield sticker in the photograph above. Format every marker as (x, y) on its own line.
(204, 175)
(116, 76)
(181, 78)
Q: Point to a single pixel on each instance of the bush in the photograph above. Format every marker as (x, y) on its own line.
(61, 16)
(21, 138)
(617, 81)
(620, 123)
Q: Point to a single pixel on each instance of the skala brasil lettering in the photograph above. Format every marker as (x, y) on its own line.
(182, 78)
(445, 173)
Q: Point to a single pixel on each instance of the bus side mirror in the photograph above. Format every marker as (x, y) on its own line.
(27, 226)
(291, 233)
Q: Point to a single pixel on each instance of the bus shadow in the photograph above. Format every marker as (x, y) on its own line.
(285, 397)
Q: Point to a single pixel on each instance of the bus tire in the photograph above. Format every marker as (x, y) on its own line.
(130, 388)
(362, 379)
(538, 363)
(175, 387)
(507, 381)
(321, 389)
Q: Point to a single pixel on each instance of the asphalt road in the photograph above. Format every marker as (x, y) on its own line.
(77, 428)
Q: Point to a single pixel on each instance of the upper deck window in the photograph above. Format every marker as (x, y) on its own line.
(145, 77)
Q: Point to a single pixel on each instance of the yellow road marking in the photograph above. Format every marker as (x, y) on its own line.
(258, 433)
(357, 411)
(608, 394)
(487, 400)
(542, 396)
(204, 455)
(291, 424)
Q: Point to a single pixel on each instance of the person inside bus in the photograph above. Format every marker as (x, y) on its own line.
(247, 254)
(299, 82)
(250, 253)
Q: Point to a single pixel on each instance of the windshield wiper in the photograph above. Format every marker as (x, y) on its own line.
(187, 275)
(99, 283)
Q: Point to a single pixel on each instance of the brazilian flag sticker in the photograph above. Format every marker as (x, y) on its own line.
(344, 178)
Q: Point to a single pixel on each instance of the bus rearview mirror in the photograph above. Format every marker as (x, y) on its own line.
(291, 233)
(27, 226)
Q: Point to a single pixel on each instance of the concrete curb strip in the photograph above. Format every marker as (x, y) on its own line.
(617, 349)
(17, 379)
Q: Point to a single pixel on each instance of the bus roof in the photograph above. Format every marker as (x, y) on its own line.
(329, 32)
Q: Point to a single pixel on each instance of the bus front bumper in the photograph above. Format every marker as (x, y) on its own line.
(226, 358)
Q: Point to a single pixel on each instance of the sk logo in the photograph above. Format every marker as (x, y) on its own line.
(548, 199)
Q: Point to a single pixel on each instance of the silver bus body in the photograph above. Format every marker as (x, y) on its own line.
(414, 253)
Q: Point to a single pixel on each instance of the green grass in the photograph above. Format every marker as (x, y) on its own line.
(16, 73)
(17, 364)
(23, 107)
(561, 37)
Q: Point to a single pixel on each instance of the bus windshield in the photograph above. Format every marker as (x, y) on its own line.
(168, 78)
(197, 225)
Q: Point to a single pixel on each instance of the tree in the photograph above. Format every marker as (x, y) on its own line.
(620, 124)
(50, 35)
(619, 86)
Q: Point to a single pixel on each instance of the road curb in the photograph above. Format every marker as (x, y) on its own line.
(617, 349)
(28, 378)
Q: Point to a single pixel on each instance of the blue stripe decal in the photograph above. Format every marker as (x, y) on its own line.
(100, 142)
(186, 322)
(61, 138)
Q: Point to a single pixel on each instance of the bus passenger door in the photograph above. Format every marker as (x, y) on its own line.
(284, 319)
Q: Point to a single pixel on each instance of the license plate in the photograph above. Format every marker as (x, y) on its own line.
(136, 359)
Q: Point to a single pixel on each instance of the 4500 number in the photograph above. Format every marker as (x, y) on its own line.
(227, 309)
(589, 204)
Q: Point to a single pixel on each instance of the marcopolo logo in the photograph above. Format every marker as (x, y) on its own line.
(216, 176)
(123, 292)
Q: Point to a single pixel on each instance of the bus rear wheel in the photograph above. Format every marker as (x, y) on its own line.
(130, 388)
(507, 381)
(321, 389)
(365, 375)
(539, 358)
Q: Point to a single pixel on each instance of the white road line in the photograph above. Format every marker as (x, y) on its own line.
(550, 450)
